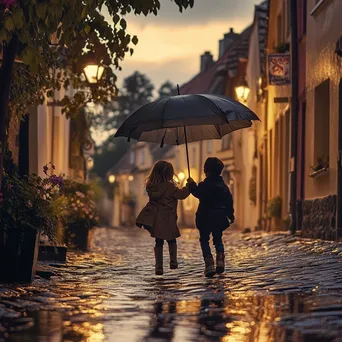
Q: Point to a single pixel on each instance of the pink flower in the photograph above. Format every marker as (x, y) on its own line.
(7, 3)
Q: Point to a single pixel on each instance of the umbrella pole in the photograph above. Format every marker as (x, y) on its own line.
(186, 142)
(187, 151)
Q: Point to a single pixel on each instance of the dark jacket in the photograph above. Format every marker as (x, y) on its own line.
(159, 216)
(215, 204)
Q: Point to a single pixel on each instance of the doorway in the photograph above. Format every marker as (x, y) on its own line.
(339, 166)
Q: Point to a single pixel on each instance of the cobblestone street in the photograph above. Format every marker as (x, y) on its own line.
(276, 288)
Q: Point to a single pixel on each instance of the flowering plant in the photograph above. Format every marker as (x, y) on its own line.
(30, 201)
(81, 205)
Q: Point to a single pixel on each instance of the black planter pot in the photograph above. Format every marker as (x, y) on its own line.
(78, 237)
(19, 256)
(52, 253)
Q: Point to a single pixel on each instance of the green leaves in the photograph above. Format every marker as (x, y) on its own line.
(8, 23)
(41, 9)
(123, 24)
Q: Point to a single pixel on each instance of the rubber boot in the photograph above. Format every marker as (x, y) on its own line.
(209, 270)
(158, 253)
(173, 256)
(219, 263)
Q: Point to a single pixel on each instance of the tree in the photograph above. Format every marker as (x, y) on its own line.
(48, 36)
(137, 90)
(167, 89)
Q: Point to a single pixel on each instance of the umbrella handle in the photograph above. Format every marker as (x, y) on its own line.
(186, 142)
(187, 151)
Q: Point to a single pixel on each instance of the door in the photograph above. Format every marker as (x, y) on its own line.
(339, 167)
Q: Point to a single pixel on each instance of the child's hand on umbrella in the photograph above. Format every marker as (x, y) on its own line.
(190, 180)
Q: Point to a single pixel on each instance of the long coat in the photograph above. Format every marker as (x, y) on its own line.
(159, 216)
(215, 204)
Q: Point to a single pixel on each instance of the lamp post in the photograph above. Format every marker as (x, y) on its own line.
(93, 73)
(242, 90)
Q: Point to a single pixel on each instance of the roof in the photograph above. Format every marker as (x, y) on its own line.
(124, 165)
(213, 80)
(260, 19)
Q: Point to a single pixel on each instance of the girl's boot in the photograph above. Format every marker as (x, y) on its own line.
(219, 262)
(209, 270)
(173, 256)
(158, 253)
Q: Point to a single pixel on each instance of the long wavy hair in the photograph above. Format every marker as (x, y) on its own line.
(162, 172)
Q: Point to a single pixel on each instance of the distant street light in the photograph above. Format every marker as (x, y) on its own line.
(90, 163)
(242, 91)
(181, 176)
(130, 178)
(111, 179)
(93, 73)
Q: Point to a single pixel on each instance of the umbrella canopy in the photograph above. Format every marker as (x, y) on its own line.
(205, 117)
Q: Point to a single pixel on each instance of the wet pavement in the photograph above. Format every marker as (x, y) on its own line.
(276, 288)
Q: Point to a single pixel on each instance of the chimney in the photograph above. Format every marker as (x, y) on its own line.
(206, 60)
(226, 41)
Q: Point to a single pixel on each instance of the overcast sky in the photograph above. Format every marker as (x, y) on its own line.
(171, 43)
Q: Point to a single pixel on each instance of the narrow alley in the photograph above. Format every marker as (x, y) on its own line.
(276, 288)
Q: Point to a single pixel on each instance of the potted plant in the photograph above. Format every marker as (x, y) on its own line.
(274, 211)
(320, 167)
(29, 207)
(81, 216)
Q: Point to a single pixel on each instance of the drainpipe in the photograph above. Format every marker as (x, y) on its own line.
(294, 115)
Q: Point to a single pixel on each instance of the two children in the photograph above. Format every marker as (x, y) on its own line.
(159, 216)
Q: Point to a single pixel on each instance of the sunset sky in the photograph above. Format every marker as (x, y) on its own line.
(171, 43)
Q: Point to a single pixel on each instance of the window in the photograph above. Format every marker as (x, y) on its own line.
(209, 146)
(132, 157)
(322, 121)
(288, 17)
(193, 157)
(227, 142)
(304, 16)
(279, 29)
(142, 157)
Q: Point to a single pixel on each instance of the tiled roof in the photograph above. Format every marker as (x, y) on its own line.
(260, 16)
(213, 80)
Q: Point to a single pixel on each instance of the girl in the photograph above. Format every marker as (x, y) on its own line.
(159, 216)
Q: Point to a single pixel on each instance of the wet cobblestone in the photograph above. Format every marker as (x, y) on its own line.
(276, 288)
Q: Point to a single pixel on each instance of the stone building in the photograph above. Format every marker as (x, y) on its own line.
(322, 213)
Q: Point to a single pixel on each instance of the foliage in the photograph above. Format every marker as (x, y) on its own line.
(49, 36)
(31, 201)
(108, 155)
(253, 186)
(81, 206)
(287, 222)
(322, 163)
(281, 48)
(274, 207)
(136, 91)
(167, 89)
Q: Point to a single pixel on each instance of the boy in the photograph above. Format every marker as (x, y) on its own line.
(214, 210)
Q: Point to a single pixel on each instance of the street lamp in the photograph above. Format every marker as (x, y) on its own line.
(111, 179)
(130, 178)
(93, 73)
(90, 163)
(242, 90)
(181, 176)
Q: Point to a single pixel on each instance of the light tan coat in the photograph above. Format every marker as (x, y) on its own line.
(159, 216)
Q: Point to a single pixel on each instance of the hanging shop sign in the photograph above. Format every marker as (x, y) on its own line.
(279, 69)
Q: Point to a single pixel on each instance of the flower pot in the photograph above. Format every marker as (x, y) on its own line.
(19, 256)
(52, 253)
(78, 237)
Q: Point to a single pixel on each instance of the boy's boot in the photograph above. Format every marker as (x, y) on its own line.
(209, 270)
(173, 256)
(219, 262)
(158, 253)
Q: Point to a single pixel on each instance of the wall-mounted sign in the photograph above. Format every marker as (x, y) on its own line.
(279, 68)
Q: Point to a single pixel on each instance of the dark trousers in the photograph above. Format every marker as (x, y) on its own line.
(160, 242)
(217, 239)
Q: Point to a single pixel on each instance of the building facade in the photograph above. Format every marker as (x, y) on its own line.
(323, 133)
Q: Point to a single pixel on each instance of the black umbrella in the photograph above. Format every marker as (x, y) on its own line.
(186, 118)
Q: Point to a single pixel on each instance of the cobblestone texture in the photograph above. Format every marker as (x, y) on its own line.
(276, 288)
